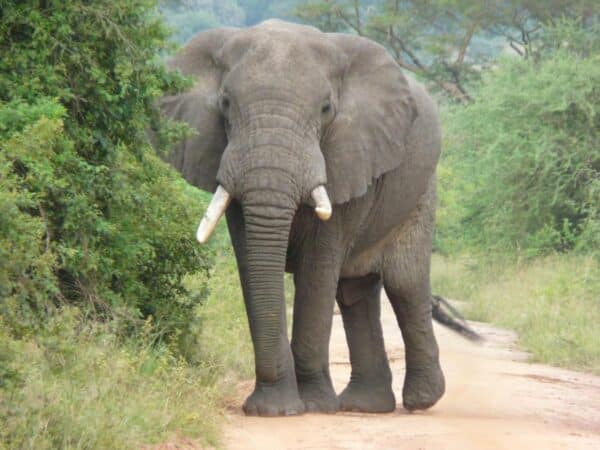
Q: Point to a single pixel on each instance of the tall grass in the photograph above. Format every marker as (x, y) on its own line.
(224, 344)
(80, 385)
(553, 303)
(83, 389)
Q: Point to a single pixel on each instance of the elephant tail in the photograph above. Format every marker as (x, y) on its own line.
(444, 313)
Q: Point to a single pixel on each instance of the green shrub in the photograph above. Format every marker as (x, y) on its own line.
(27, 263)
(521, 168)
(77, 384)
(90, 215)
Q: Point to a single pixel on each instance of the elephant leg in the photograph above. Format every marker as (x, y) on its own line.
(313, 314)
(272, 399)
(406, 281)
(370, 386)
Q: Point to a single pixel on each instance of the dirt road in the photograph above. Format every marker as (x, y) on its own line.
(493, 400)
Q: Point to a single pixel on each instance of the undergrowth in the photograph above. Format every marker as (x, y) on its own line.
(79, 385)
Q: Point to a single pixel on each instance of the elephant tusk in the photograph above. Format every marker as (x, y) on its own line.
(323, 205)
(213, 213)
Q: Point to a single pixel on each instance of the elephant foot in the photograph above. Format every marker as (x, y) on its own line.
(368, 397)
(422, 387)
(318, 395)
(274, 399)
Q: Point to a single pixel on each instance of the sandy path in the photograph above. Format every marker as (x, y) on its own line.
(493, 400)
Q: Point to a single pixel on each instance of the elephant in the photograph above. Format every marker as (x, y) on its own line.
(322, 155)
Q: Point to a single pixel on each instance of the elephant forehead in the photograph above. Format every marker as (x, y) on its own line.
(270, 79)
(274, 47)
(281, 47)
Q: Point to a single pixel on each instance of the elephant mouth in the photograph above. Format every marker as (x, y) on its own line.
(222, 198)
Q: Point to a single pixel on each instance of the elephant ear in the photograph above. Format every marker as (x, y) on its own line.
(197, 157)
(374, 114)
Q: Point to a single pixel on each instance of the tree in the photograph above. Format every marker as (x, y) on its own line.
(447, 42)
(521, 167)
(522, 22)
(89, 215)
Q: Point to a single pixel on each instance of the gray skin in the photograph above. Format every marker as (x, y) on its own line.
(282, 108)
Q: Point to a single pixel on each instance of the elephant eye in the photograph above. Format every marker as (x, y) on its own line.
(225, 102)
(326, 108)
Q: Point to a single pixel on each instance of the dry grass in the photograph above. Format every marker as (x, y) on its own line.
(553, 303)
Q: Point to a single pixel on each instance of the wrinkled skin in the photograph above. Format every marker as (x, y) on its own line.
(283, 108)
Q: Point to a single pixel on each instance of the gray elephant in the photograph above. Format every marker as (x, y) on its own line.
(323, 156)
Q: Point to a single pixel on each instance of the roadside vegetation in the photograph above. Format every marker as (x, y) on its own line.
(106, 301)
(79, 383)
(552, 302)
(118, 331)
(518, 231)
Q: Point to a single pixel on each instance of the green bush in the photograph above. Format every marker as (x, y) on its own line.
(521, 168)
(78, 384)
(27, 263)
(90, 216)
(99, 322)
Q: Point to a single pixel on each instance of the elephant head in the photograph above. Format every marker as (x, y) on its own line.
(285, 115)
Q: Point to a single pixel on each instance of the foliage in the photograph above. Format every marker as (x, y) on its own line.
(553, 303)
(90, 216)
(107, 330)
(521, 168)
(77, 384)
(27, 265)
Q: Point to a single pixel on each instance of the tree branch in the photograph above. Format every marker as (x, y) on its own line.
(414, 58)
(453, 89)
(48, 237)
(460, 59)
(516, 49)
(355, 26)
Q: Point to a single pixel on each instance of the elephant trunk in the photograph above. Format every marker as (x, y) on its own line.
(267, 229)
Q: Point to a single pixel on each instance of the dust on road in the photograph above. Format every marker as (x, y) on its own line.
(493, 400)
